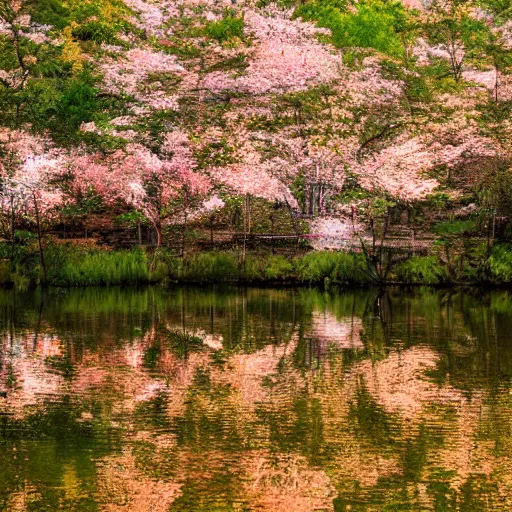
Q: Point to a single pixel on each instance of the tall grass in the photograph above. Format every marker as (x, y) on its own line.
(333, 268)
(216, 267)
(209, 267)
(69, 267)
(75, 266)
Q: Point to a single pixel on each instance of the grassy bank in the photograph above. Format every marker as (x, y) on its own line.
(70, 265)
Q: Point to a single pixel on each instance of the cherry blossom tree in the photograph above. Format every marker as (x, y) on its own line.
(286, 58)
(27, 171)
(141, 179)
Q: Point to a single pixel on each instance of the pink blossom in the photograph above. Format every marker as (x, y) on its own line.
(286, 58)
(127, 74)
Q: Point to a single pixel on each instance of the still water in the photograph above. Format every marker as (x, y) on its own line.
(255, 400)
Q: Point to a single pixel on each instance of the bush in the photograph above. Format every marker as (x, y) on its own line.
(253, 269)
(421, 269)
(5, 272)
(500, 263)
(50, 12)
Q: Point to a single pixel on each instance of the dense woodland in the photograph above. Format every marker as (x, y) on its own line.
(209, 140)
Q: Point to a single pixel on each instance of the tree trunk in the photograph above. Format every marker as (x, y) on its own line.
(158, 230)
(496, 83)
(184, 234)
(212, 217)
(245, 224)
(13, 220)
(39, 239)
(272, 233)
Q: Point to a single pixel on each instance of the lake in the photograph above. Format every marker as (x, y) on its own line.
(234, 399)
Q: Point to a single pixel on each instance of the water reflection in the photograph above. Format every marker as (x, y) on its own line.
(270, 400)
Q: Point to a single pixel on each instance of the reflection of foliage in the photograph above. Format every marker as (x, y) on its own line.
(298, 429)
(42, 449)
(63, 365)
(204, 437)
(369, 419)
(153, 412)
(160, 463)
(182, 343)
(151, 355)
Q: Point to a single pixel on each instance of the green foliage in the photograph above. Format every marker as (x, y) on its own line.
(278, 268)
(216, 153)
(332, 268)
(77, 103)
(229, 27)
(210, 267)
(500, 263)
(352, 190)
(281, 3)
(96, 31)
(182, 48)
(5, 272)
(456, 24)
(454, 227)
(253, 269)
(68, 266)
(374, 24)
(353, 58)
(421, 269)
(237, 63)
(71, 266)
(50, 12)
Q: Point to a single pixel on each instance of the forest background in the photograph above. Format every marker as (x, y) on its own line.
(327, 141)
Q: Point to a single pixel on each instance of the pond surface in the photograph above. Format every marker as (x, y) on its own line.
(250, 399)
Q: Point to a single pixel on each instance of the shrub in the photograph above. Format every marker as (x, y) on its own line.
(500, 263)
(50, 12)
(455, 227)
(97, 31)
(5, 272)
(421, 269)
